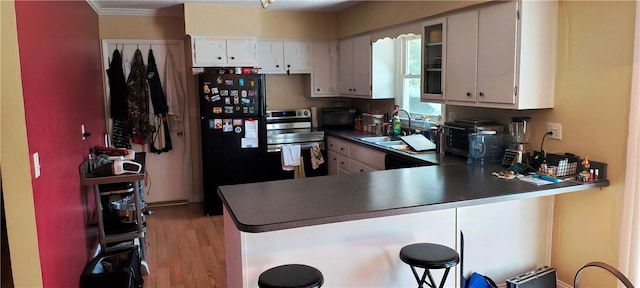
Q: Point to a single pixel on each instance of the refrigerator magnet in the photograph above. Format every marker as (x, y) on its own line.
(219, 80)
(245, 110)
(214, 98)
(227, 100)
(206, 89)
(237, 122)
(238, 108)
(211, 124)
(228, 82)
(245, 101)
(236, 100)
(251, 110)
(238, 130)
(252, 93)
(252, 83)
(226, 125)
(217, 110)
(228, 109)
(243, 93)
(224, 92)
(241, 81)
(234, 92)
(217, 123)
(215, 91)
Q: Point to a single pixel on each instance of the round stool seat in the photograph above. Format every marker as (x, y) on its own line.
(291, 276)
(429, 256)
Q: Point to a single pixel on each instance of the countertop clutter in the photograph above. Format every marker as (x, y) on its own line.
(323, 200)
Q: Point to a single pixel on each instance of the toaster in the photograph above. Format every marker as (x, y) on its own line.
(118, 167)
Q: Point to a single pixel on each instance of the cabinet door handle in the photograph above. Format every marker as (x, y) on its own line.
(468, 94)
(481, 93)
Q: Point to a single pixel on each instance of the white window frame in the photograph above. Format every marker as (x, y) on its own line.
(401, 99)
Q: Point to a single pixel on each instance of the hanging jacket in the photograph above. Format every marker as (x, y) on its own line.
(158, 100)
(118, 108)
(161, 138)
(175, 93)
(117, 87)
(138, 126)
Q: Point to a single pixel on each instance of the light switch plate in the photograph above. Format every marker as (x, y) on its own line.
(36, 165)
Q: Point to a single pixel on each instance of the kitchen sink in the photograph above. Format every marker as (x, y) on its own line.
(376, 139)
(390, 143)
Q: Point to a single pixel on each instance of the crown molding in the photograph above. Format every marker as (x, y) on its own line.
(94, 5)
(171, 11)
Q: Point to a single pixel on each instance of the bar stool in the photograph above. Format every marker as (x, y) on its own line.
(429, 256)
(291, 276)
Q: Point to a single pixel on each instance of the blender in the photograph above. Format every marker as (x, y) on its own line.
(519, 150)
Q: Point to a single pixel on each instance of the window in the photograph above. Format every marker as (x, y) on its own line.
(410, 78)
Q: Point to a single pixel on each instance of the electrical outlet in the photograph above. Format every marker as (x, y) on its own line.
(555, 129)
(83, 132)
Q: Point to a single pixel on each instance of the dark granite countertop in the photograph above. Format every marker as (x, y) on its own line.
(277, 205)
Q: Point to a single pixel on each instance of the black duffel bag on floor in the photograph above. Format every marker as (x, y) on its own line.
(113, 269)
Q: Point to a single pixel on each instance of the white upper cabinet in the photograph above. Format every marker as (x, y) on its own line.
(279, 57)
(502, 56)
(223, 52)
(297, 57)
(270, 57)
(462, 44)
(433, 58)
(355, 67)
(383, 69)
(324, 75)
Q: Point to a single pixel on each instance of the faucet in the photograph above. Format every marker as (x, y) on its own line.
(408, 115)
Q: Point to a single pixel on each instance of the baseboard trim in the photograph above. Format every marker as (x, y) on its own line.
(167, 203)
(563, 285)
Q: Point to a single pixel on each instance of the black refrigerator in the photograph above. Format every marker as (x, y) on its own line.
(233, 126)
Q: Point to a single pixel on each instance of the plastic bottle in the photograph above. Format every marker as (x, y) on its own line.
(397, 127)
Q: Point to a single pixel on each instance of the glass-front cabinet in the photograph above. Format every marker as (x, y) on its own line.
(433, 59)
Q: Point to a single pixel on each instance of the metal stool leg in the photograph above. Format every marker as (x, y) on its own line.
(444, 277)
(418, 279)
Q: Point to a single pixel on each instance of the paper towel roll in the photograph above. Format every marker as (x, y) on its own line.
(314, 117)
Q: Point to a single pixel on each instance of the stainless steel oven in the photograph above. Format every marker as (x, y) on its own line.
(292, 127)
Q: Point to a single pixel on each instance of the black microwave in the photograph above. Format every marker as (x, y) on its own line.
(338, 117)
(456, 133)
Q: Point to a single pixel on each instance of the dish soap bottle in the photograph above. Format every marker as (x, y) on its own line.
(397, 128)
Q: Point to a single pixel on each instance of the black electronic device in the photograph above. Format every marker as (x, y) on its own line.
(521, 168)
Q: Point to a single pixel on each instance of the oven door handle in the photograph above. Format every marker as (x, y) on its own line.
(303, 146)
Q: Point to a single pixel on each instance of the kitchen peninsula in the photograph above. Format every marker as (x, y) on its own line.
(352, 227)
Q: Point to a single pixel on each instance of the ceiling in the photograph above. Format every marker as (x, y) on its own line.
(154, 6)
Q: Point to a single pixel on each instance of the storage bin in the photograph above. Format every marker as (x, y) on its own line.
(113, 269)
(485, 148)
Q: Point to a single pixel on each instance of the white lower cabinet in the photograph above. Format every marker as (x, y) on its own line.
(505, 239)
(347, 158)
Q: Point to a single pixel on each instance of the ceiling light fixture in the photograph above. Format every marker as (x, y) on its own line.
(265, 3)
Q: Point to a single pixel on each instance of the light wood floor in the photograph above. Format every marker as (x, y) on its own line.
(185, 248)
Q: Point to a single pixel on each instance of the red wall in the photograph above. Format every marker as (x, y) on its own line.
(61, 70)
